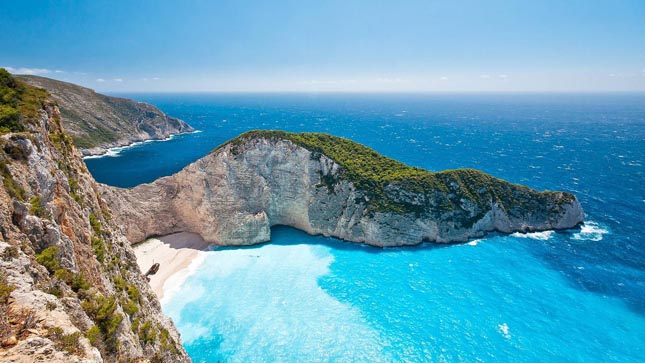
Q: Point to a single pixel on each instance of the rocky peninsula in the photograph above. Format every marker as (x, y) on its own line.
(331, 186)
(98, 122)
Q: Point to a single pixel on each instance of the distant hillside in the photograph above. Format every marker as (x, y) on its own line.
(97, 122)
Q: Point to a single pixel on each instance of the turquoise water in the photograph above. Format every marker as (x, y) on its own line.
(573, 296)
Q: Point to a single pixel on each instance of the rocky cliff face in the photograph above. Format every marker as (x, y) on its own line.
(97, 122)
(70, 288)
(331, 186)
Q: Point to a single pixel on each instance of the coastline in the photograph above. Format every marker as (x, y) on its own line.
(178, 255)
(116, 150)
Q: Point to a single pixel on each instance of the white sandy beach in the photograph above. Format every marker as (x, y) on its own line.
(175, 253)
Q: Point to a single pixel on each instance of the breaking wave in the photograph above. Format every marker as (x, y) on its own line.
(541, 236)
(590, 231)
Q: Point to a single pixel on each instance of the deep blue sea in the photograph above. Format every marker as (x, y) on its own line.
(573, 296)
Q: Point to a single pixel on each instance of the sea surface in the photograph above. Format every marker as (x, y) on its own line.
(572, 296)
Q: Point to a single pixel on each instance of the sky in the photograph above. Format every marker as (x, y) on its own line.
(329, 46)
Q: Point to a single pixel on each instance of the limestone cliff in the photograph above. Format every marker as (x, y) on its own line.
(97, 122)
(70, 288)
(331, 186)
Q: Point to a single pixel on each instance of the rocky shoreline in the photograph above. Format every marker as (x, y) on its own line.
(109, 150)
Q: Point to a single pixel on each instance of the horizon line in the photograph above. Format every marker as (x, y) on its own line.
(375, 92)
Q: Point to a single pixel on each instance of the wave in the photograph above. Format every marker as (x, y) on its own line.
(116, 151)
(174, 283)
(590, 231)
(541, 236)
(503, 329)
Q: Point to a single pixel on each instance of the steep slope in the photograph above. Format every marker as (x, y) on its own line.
(70, 288)
(97, 122)
(327, 185)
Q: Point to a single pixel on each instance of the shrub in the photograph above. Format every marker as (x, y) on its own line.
(18, 101)
(79, 283)
(130, 307)
(96, 224)
(64, 275)
(9, 253)
(5, 288)
(99, 249)
(55, 289)
(119, 282)
(14, 189)
(94, 335)
(15, 151)
(37, 208)
(50, 305)
(78, 198)
(67, 342)
(147, 333)
(102, 311)
(133, 293)
(75, 280)
(167, 343)
(48, 258)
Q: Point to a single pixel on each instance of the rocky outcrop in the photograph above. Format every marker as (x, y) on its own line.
(97, 122)
(314, 182)
(70, 288)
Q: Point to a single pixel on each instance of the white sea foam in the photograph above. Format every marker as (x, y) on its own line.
(541, 236)
(474, 242)
(503, 328)
(175, 281)
(116, 151)
(590, 231)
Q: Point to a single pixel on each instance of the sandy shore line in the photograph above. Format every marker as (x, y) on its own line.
(174, 253)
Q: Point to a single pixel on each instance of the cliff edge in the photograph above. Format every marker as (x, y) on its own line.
(332, 186)
(70, 288)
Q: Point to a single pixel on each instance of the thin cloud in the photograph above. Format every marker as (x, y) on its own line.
(118, 80)
(485, 76)
(30, 71)
(444, 78)
(392, 80)
(100, 80)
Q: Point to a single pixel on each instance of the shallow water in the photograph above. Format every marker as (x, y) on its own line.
(569, 296)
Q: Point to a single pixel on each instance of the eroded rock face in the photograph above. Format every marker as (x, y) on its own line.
(50, 202)
(234, 195)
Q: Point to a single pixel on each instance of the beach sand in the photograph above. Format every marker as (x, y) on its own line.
(174, 253)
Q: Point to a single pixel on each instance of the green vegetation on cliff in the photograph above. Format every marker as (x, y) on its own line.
(19, 103)
(390, 185)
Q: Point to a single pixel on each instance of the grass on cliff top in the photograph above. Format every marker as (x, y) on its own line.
(19, 103)
(372, 172)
